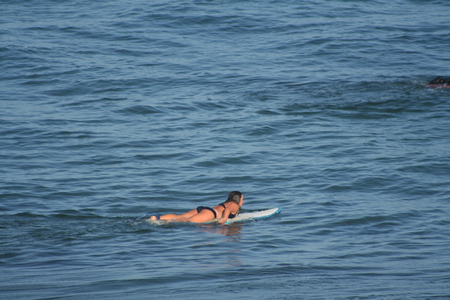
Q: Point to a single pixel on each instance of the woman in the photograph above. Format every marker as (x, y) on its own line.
(226, 210)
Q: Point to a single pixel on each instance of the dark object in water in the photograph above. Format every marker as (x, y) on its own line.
(440, 81)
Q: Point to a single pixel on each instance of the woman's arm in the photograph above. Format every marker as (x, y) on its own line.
(226, 212)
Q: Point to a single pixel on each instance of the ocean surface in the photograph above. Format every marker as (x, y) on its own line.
(113, 109)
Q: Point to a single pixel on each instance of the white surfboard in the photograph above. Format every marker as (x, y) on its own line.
(241, 217)
(254, 215)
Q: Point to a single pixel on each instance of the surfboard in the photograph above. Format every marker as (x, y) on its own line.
(241, 217)
(254, 215)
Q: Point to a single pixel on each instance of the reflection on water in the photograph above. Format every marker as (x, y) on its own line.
(233, 231)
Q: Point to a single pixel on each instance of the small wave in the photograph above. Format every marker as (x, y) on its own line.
(140, 110)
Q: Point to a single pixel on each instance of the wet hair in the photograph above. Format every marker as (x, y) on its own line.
(234, 196)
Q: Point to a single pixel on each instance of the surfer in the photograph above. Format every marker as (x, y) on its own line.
(439, 82)
(224, 211)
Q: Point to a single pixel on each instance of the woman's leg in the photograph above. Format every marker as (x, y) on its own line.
(174, 216)
(203, 216)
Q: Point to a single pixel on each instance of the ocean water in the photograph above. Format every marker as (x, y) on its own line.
(112, 109)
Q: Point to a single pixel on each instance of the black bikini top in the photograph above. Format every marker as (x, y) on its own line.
(231, 216)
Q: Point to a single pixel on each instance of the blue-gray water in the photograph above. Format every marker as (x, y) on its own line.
(112, 109)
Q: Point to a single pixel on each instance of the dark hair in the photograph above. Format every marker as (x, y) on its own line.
(234, 196)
